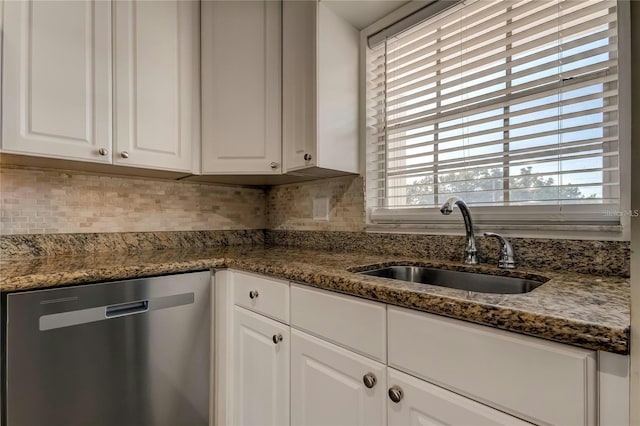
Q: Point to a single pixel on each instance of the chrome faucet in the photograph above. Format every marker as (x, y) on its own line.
(507, 258)
(471, 253)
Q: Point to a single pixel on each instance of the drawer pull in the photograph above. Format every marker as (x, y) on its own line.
(277, 338)
(369, 380)
(395, 393)
(253, 294)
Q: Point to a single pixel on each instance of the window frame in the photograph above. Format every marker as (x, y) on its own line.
(575, 221)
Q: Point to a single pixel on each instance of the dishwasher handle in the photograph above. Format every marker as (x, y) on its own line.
(128, 308)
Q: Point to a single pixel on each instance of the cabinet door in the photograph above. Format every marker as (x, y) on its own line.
(327, 385)
(157, 87)
(57, 79)
(422, 403)
(260, 370)
(438, 349)
(241, 63)
(299, 29)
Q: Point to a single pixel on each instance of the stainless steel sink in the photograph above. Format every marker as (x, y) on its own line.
(471, 281)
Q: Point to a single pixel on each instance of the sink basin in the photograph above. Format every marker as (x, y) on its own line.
(471, 281)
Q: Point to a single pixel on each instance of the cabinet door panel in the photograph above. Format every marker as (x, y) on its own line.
(425, 404)
(337, 89)
(260, 370)
(327, 385)
(241, 43)
(299, 30)
(57, 79)
(439, 349)
(156, 83)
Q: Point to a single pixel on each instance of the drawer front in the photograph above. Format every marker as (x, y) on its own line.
(540, 381)
(354, 323)
(266, 296)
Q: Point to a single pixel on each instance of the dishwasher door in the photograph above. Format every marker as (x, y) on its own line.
(131, 352)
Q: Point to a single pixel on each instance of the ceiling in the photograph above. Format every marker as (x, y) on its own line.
(362, 13)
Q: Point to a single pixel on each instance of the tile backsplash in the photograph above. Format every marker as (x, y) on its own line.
(83, 211)
(37, 201)
(290, 207)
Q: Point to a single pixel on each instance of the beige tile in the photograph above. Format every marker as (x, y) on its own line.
(290, 207)
(46, 201)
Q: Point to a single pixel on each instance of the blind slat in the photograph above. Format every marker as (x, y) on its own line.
(525, 88)
(508, 100)
(496, 93)
(573, 23)
(503, 129)
(401, 97)
(601, 97)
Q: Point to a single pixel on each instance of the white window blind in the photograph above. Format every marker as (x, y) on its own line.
(503, 103)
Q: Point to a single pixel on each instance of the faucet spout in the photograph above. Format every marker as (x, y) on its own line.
(471, 252)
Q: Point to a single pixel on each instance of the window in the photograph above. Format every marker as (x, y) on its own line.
(509, 105)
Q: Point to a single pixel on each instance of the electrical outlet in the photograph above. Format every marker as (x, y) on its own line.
(321, 208)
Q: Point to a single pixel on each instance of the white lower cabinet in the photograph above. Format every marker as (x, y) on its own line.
(339, 363)
(333, 386)
(541, 381)
(420, 403)
(260, 362)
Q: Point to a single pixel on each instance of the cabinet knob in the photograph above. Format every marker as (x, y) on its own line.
(253, 294)
(103, 151)
(369, 380)
(395, 393)
(124, 154)
(277, 338)
(307, 157)
(274, 165)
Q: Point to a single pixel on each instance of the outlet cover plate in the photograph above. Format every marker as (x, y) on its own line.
(321, 208)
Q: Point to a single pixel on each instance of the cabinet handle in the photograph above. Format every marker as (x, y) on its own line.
(307, 157)
(395, 393)
(103, 151)
(369, 380)
(274, 165)
(124, 154)
(253, 294)
(277, 338)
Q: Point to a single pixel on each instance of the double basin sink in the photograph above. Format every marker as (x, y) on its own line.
(470, 281)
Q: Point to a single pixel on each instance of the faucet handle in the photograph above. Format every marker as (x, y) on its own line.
(506, 260)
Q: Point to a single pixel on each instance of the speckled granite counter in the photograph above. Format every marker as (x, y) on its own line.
(583, 310)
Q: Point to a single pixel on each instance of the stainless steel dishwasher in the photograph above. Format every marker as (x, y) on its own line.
(133, 352)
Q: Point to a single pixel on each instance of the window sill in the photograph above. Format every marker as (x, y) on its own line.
(550, 231)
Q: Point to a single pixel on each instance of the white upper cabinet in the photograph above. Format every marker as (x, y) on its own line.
(56, 82)
(241, 87)
(320, 89)
(156, 86)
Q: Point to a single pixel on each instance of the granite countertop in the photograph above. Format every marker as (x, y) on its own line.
(583, 310)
